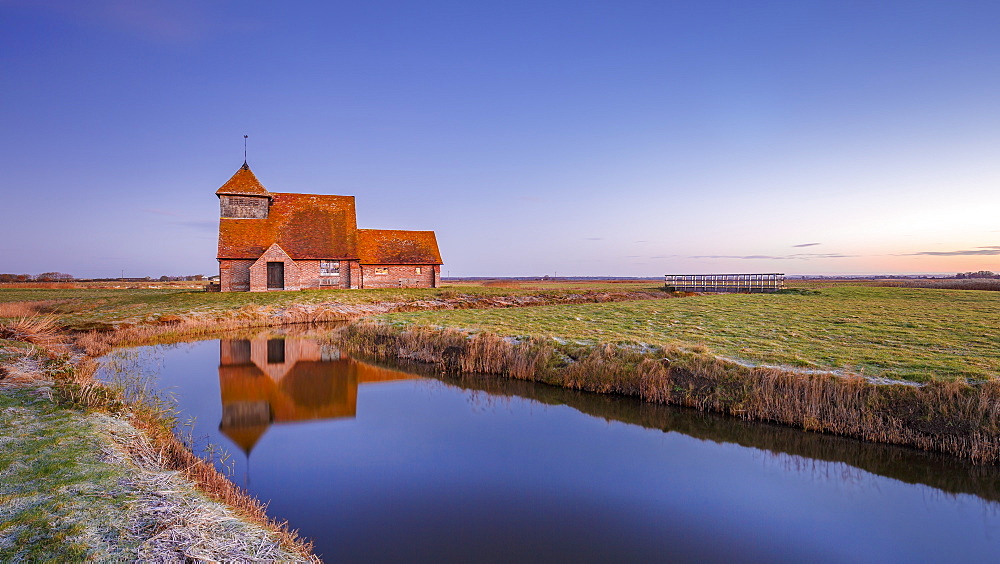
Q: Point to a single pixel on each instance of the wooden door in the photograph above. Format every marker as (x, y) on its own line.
(275, 276)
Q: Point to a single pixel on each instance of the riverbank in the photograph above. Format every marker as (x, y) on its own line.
(87, 473)
(953, 417)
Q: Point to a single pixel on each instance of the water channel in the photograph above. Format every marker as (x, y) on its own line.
(378, 463)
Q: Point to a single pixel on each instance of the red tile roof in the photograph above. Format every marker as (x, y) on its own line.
(392, 246)
(306, 226)
(312, 226)
(243, 183)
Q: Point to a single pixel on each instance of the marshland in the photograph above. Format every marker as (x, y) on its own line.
(480, 392)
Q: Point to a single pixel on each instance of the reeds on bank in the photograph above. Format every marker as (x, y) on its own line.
(957, 418)
(40, 330)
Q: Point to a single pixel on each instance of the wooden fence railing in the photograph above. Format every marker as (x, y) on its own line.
(745, 283)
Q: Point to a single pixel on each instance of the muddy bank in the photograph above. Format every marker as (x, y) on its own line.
(953, 418)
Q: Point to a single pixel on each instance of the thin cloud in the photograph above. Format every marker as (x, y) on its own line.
(989, 250)
(796, 256)
(595, 238)
(805, 245)
(821, 255)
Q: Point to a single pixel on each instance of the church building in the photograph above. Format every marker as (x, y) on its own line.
(277, 241)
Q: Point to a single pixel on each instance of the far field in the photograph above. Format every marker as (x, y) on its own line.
(901, 333)
(916, 334)
(83, 308)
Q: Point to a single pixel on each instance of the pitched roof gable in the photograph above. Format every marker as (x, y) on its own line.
(306, 226)
(243, 183)
(395, 246)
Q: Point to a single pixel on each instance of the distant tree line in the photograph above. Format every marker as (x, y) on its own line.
(43, 277)
(979, 274)
(63, 277)
(192, 278)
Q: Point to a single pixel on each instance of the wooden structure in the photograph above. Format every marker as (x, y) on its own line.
(735, 283)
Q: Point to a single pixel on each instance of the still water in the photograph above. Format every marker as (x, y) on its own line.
(376, 463)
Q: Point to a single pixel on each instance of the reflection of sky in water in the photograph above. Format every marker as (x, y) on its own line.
(425, 470)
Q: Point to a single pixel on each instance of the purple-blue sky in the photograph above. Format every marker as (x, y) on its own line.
(538, 137)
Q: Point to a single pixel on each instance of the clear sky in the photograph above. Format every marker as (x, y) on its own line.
(539, 137)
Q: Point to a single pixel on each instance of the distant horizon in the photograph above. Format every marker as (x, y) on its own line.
(445, 276)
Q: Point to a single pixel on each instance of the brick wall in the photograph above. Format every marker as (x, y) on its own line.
(258, 272)
(246, 207)
(234, 275)
(355, 270)
(399, 276)
(309, 275)
(248, 275)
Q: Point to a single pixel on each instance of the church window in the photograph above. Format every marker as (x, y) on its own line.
(328, 270)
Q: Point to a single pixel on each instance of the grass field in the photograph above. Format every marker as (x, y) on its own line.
(916, 334)
(84, 308)
(902, 333)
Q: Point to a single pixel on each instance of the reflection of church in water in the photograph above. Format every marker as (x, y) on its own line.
(280, 380)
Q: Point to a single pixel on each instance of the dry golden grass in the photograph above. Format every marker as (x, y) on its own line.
(988, 284)
(40, 285)
(171, 453)
(40, 330)
(24, 309)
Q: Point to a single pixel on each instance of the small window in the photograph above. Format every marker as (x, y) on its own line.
(328, 271)
(419, 270)
(381, 270)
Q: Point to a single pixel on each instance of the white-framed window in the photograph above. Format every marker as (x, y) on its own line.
(329, 271)
(419, 270)
(381, 270)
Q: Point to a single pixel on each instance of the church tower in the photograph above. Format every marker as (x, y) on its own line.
(243, 196)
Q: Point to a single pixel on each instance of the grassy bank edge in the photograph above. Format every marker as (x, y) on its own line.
(47, 364)
(955, 418)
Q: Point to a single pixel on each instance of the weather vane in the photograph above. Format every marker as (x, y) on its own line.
(245, 148)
